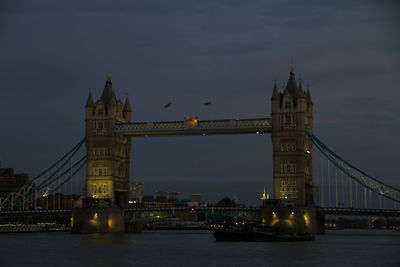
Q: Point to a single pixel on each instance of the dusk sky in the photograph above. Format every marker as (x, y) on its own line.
(190, 52)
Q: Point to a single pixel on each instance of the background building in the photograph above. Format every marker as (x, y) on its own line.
(11, 181)
(136, 191)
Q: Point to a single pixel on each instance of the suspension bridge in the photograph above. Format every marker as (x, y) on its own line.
(338, 188)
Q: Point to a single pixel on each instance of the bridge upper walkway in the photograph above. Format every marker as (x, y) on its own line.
(194, 127)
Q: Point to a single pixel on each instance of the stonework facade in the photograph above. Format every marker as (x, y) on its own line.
(292, 150)
(108, 153)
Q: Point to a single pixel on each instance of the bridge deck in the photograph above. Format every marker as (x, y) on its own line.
(193, 127)
(216, 210)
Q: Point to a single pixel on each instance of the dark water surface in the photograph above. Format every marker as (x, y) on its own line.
(198, 248)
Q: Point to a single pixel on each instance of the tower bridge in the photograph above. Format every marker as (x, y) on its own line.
(109, 134)
(109, 131)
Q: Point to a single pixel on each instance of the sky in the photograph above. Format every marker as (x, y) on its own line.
(189, 52)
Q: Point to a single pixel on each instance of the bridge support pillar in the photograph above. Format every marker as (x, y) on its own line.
(297, 219)
(98, 220)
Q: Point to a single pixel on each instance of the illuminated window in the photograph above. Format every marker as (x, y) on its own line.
(288, 189)
(102, 171)
(288, 167)
(99, 124)
(287, 147)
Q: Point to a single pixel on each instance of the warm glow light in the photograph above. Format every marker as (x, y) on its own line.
(307, 219)
(110, 223)
(289, 222)
(275, 219)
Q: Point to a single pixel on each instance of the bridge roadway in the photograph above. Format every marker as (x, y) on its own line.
(194, 127)
(134, 214)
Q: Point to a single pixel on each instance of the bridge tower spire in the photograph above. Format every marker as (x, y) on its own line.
(291, 112)
(108, 153)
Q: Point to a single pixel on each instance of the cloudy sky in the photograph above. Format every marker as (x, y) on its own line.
(189, 52)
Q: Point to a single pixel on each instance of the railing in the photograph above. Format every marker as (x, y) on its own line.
(359, 211)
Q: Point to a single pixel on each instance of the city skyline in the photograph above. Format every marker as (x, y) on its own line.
(187, 54)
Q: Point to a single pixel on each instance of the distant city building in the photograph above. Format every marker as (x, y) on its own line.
(161, 196)
(173, 197)
(11, 181)
(136, 191)
(226, 202)
(196, 197)
(264, 197)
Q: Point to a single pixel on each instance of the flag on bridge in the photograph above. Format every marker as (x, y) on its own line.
(207, 103)
(168, 105)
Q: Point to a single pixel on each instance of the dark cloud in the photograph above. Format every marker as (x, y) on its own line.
(188, 52)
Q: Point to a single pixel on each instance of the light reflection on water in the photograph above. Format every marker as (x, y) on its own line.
(198, 248)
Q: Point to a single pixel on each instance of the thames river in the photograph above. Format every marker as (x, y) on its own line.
(198, 248)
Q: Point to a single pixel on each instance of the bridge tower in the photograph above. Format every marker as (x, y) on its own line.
(108, 153)
(291, 112)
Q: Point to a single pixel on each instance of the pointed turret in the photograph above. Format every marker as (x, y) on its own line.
(291, 86)
(108, 95)
(127, 105)
(275, 92)
(308, 95)
(90, 102)
(300, 91)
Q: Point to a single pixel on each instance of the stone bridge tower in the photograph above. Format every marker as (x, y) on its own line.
(292, 150)
(108, 153)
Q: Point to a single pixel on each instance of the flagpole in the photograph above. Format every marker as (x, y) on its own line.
(206, 104)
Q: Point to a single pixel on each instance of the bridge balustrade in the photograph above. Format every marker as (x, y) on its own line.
(261, 125)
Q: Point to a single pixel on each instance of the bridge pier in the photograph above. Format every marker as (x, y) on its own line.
(297, 219)
(98, 220)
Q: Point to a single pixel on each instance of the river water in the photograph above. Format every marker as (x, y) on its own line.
(198, 248)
